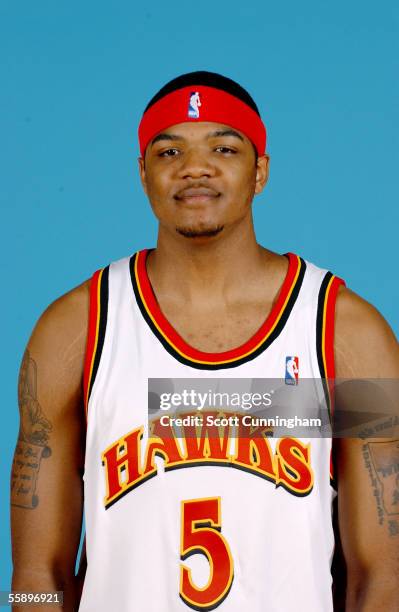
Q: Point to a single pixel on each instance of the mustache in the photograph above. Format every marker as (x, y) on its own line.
(196, 189)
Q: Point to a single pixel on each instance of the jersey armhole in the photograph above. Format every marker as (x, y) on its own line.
(325, 343)
(98, 310)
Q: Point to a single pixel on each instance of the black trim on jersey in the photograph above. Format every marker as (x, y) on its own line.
(319, 322)
(319, 350)
(334, 476)
(102, 325)
(334, 479)
(231, 364)
(319, 336)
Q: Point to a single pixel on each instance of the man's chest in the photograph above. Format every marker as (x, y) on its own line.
(216, 327)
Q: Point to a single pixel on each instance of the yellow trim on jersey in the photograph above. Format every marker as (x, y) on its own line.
(96, 339)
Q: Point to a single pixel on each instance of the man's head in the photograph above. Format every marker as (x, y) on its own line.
(202, 145)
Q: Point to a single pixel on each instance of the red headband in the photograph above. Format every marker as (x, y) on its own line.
(201, 103)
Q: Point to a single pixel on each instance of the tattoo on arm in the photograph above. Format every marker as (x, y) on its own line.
(382, 462)
(32, 445)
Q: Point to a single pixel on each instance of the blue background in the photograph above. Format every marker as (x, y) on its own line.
(75, 79)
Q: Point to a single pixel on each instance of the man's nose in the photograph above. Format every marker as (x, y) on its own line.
(196, 164)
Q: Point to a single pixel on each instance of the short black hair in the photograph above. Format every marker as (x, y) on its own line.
(209, 79)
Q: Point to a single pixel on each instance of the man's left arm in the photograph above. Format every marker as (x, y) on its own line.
(368, 469)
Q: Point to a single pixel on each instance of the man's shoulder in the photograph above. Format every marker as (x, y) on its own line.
(354, 314)
(365, 344)
(73, 306)
(68, 316)
(63, 325)
(70, 306)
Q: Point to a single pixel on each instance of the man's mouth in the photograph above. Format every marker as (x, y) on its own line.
(196, 195)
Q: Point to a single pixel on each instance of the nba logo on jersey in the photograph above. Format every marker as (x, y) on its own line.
(291, 370)
(193, 105)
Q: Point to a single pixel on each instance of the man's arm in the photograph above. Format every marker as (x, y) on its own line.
(368, 469)
(46, 475)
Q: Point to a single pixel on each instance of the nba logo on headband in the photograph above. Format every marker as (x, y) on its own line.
(193, 105)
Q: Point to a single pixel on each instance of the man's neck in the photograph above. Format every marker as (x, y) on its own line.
(218, 267)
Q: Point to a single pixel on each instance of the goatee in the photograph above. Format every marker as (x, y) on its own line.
(192, 232)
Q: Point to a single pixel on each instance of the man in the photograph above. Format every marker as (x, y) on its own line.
(244, 523)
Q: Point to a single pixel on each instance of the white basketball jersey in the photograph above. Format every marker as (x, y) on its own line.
(177, 519)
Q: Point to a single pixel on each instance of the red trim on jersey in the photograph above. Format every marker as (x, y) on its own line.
(331, 466)
(91, 335)
(328, 339)
(217, 106)
(172, 336)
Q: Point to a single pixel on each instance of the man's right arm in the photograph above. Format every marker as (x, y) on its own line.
(46, 475)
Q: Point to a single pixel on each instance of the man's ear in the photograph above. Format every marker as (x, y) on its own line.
(142, 173)
(262, 172)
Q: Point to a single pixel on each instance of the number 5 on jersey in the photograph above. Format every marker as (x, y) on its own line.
(201, 534)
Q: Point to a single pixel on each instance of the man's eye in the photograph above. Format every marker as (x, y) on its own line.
(225, 150)
(169, 153)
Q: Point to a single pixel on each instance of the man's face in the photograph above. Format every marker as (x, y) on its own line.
(201, 178)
